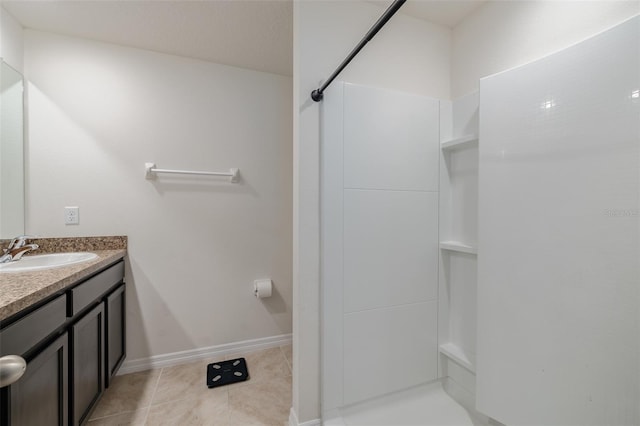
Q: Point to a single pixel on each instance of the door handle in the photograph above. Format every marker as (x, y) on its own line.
(12, 367)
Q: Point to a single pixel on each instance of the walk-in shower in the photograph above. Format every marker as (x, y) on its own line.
(488, 246)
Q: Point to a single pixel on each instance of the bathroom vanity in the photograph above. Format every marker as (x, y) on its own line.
(69, 325)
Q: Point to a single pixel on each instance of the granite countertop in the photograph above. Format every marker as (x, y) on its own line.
(19, 290)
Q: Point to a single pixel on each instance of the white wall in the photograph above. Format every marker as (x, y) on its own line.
(503, 34)
(407, 55)
(11, 43)
(97, 113)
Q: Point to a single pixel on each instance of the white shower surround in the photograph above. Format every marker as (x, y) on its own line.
(399, 238)
(559, 215)
(494, 30)
(379, 242)
(457, 216)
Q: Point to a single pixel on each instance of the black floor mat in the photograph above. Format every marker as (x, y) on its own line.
(227, 372)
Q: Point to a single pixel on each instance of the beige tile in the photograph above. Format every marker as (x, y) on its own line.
(264, 365)
(127, 393)
(261, 403)
(182, 398)
(132, 418)
(183, 381)
(210, 408)
(288, 355)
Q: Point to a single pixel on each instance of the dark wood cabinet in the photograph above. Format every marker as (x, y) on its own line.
(40, 397)
(87, 373)
(74, 343)
(115, 304)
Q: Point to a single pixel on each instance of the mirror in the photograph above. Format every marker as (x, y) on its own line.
(11, 153)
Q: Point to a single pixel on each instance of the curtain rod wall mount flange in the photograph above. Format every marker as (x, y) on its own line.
(317, 95)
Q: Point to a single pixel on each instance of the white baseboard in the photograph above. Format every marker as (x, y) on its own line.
(293, 420)
(176, 358)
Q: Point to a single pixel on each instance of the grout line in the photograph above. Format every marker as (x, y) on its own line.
(153, 395)
(285, 400)
(426, 191)
(111, 415)
(439, 308)
(400, 305)
(286, 360)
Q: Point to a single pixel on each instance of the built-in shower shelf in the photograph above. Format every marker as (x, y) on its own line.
(462, 142)
(456, 354)
(458, 246)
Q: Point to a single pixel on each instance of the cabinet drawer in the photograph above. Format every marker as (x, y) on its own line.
(89, 291)
(24, 334)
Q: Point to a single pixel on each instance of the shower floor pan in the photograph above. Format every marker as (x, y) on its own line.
(425, 405)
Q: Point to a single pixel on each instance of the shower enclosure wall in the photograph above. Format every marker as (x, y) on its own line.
(380, 242)
(497, 234)
(398, 282)
(559, 216)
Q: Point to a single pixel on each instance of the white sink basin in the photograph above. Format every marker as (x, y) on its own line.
(46, 261)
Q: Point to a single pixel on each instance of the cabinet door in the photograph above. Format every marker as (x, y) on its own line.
(115, 314)
(87, 374)
(39, 398)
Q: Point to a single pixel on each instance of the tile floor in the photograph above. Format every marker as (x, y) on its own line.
(178, 396)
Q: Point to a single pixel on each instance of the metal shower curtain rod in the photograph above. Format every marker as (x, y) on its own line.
(318, 94)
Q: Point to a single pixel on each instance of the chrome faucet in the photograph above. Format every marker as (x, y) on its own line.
(18, 247)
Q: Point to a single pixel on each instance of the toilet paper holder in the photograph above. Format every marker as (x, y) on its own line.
(262, 288)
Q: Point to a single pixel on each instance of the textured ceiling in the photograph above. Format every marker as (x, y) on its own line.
(254, 34)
